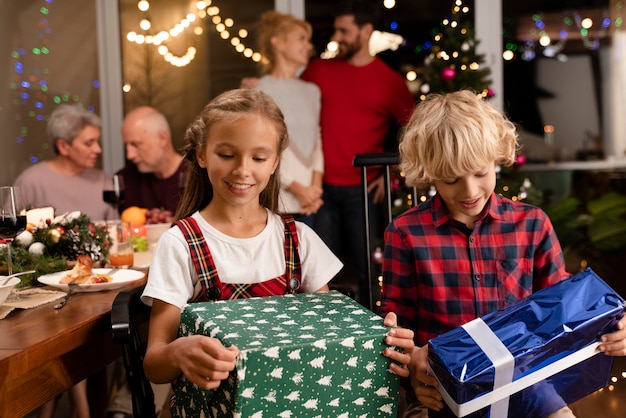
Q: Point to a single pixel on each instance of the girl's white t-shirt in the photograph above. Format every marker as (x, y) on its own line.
(173, 279)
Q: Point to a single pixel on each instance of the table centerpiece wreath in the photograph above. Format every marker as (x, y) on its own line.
(53, 244)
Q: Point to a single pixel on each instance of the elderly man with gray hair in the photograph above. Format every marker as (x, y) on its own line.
(70, 181)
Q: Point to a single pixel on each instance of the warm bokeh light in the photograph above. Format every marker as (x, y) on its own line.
(544, 40)
(145, 24)
(143, 5)
(508, 55)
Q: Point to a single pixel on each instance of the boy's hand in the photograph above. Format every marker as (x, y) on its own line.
(614, 344)
(423, 384)
(401, 338)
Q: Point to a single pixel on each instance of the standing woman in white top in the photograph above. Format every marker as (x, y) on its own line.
(285, 43)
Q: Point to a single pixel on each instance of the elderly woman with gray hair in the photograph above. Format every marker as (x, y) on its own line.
(70, 181)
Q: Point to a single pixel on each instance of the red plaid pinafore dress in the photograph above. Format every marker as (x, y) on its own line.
(213, 288)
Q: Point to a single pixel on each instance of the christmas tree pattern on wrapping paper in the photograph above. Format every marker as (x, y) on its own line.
(305, 355)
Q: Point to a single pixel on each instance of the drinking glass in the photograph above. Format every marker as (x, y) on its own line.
(121, 254)
(12, 218)
(114, 194)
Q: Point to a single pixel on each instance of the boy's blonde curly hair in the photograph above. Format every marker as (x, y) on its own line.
(451, 135)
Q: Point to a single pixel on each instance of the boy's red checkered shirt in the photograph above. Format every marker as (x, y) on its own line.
(439, 274)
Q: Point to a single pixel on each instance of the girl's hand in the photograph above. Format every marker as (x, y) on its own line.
(401, 338)
(614, 344)
(204, 360)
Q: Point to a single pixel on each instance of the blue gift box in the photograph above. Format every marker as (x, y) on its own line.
(532, 357)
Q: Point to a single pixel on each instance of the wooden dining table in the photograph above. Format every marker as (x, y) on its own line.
(45, 351)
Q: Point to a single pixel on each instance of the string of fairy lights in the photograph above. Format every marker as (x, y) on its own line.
(202, 10)
(588, 29)
(32, 83)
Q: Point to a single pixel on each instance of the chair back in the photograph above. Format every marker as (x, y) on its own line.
(129, 325)
(385, 160)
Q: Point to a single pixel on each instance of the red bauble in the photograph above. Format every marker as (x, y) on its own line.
(448, 73)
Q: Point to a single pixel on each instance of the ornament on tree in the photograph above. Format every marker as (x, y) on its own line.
(448, 73)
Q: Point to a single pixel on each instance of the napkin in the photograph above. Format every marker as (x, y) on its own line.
(29, 298)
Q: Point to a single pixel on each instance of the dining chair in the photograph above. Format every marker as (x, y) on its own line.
(363, 161)
(129, 323)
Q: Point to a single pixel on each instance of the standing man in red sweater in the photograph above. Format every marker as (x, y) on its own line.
(361, 100)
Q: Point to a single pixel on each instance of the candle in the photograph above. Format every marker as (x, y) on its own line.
(548, 135)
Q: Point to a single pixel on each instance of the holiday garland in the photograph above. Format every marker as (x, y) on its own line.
(53, 244)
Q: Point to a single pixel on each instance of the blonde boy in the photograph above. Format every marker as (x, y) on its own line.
(467, 251)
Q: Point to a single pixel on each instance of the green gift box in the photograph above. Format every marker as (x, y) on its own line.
(304, 355)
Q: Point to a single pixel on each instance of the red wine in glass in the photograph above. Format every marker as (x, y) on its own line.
(114, 196)
(11, 226)
(12, 218)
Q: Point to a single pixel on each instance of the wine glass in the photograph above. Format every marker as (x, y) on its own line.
(114, 193)
(12, 218)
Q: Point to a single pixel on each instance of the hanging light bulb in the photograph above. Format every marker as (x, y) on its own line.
(145, 24)
(143, 5)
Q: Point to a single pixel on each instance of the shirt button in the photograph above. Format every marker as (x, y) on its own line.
(472, 239)
(476, 277)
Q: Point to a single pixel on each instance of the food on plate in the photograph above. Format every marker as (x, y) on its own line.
(100, 278)
(82, 271)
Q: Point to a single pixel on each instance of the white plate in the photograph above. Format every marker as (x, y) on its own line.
(120, 278)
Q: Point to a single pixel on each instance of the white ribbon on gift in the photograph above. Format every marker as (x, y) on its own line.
(504, 363)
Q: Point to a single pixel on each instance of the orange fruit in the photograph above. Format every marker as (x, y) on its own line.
(134, 215)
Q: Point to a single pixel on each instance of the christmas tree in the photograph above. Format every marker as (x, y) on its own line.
(453, 63)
